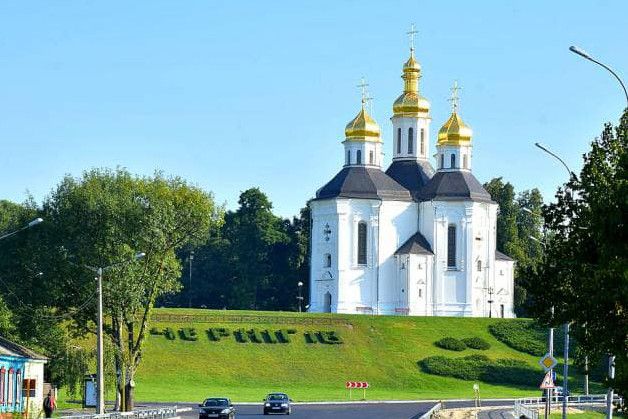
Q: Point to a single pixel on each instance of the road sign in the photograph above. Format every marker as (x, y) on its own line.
(356, 384)
(548, 362)
(547, 383)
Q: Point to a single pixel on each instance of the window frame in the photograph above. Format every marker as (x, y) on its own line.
(451, 247)
(452, 161)
(398, 140)
(422, 141)
(358, 157)
(410, 140)
(362, 244)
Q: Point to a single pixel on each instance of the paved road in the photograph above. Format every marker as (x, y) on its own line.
(339, 411)
(350, 411)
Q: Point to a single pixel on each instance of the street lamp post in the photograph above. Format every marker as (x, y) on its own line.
(584, 55)
(490, 302)
(27, 226)
(611, 358)
(300, 297)
(100, 376)
(190, 281)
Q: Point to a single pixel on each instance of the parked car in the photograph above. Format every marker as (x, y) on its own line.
(277, 403)
(216, 407)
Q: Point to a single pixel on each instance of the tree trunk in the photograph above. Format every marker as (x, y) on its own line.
(119, 364)
(129, 390)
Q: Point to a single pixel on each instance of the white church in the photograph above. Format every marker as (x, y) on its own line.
(410, 240)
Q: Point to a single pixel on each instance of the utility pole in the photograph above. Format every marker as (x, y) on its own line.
(191, 258)
(100, 375)
(550, 350)
(609, 396)
(300, 296)
(566, 372)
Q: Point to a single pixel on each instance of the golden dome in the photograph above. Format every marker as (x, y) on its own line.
(411, 103)
(362, 128)
(454, 132)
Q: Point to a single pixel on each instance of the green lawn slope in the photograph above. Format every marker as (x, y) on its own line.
(382, 350)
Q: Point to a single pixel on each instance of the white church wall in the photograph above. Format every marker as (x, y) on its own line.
(504, 289)
(398, 222)
(417, 124)
(368, 150)
(482, 262)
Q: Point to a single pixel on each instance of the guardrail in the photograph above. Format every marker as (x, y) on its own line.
(246, 318)
(529, 407)
(157, 413)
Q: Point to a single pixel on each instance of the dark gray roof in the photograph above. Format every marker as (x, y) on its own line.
(455, 185)
(411, 174)
(11, 348)
(501, 256)
(415, 245)
(363, 182)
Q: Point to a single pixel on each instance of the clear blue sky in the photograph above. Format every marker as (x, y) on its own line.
(235, 94)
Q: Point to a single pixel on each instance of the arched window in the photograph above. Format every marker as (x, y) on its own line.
(327, 302)
(18, 387)
(10, 387)
(3, 376)
(479, 266)
(398, 140)
(410, 140)
(422, 141)
(361, 243)
(451, 246)
(371, 157)
(465, 161)
(358, 157)
(348, 156)
(453, 161)
(442, 161)
(327, 260)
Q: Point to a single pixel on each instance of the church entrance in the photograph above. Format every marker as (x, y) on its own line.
(327, 302)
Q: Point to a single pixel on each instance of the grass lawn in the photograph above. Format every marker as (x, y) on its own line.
(382, 350)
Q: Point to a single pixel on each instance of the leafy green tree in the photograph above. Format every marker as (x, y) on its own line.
(103, 219)
(584, 271)
(519, 224)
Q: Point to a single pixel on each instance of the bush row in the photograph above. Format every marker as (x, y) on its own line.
(263, 336)
(453, 344)
(326, 338)
(480, 367)
(523, 336)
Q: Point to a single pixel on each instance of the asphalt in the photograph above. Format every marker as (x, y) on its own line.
(356, 410)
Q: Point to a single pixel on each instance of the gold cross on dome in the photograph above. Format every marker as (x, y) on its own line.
(363, 85)
(455, 98)
(411, 34)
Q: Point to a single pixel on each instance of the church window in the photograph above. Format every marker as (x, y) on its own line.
(451, 246)
(18, 386)
(442, 161)
(479, 266)
(420, 293)
(361, 243)
(327, 260)
(465, 163)
(348, 156)
(371, 157)
(358, 157)
(453, 161)
(327, 302)
(398, 140)
(501, 310)
(422, 141)
(410, 140)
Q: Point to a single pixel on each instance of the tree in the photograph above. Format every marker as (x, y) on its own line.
(584, 271)
(519, 223)
(103, 219)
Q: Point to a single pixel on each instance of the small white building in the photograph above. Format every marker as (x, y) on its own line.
(21, 379)
(411, 240)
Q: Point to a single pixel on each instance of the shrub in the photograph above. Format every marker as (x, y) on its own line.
(523, 336)
(155, 331)
(240, 336)
(480, 367)
(213, 335)
(268, 337)
(188, 333)
(254, 336)
(476, 343)
(282, 336)
(331, 338)
(169, 333)
(451, 344)
(309, 337)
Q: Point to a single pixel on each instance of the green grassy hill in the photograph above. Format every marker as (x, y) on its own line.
(382, 350)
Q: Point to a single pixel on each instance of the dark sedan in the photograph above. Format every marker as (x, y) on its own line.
(216, 407)
(277, 403)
